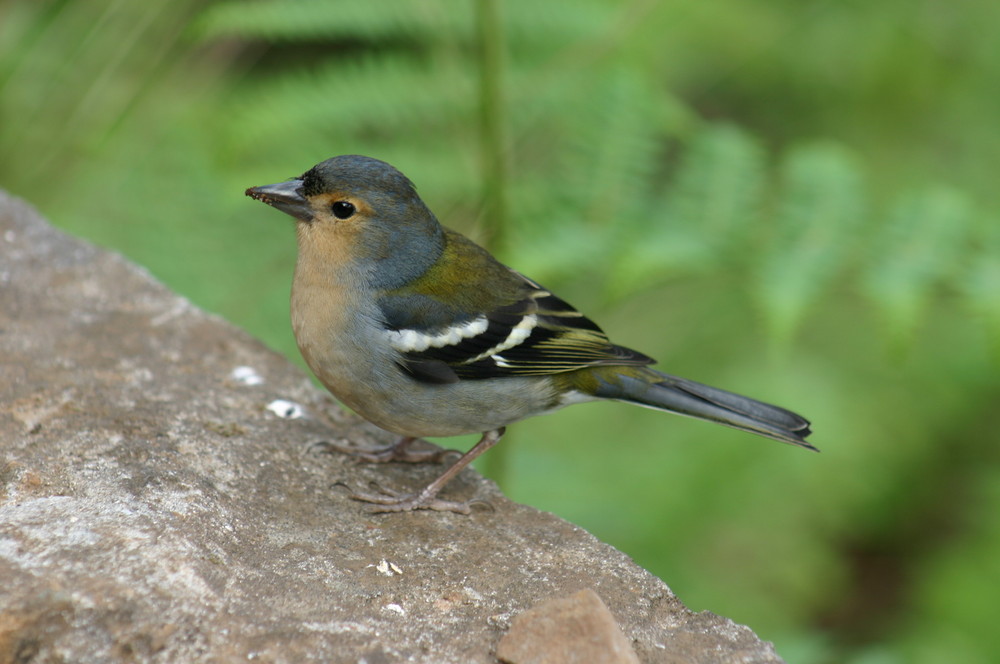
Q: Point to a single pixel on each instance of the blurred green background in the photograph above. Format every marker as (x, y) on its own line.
(793, 200)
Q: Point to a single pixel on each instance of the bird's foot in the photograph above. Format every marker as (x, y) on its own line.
(390, 501)
(399, 451)
(384, 501)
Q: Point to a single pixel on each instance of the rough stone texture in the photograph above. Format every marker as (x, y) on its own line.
(153, 508)
(578, 629)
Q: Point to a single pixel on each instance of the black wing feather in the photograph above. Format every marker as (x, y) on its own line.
(561, 340)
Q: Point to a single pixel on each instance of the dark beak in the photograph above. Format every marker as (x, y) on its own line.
(285, 196)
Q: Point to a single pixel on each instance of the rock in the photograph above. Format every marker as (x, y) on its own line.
(159, 501)
(577, 629)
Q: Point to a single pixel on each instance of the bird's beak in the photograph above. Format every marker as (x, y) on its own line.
(285, 196)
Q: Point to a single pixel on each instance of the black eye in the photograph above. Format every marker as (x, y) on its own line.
(343, 209)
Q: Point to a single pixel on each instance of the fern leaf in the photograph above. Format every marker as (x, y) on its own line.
(820, 207)
(918, 248)
(388, 95)
(283, 21)
(529, 23)
(613, 148)
(714, 198)
(719, 187)
(598, 190)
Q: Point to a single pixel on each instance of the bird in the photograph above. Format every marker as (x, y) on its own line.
(423, 332)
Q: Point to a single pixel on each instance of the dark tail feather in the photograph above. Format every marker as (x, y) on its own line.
(686, 397)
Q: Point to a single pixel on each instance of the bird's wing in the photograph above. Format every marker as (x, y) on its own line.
(536, 334)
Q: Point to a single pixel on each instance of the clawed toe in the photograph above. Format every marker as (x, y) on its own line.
(386, 500)
(385, 504)
(383, 501)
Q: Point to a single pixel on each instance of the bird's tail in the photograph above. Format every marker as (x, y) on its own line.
(650, 388)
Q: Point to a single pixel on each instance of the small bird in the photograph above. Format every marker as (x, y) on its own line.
(424, 333)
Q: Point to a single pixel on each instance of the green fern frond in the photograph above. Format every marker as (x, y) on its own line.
(530, 25)
(714, 198)
(595, 178)
(918, 249)
(719, 187)
(380, 96)
(820, 207)
(613, 150)
(282, 21)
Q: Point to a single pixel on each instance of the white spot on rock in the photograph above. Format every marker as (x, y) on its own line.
(396, 608)
(288, 410)
(246, 375)
(387, 568)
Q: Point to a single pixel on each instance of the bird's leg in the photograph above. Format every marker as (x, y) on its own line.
(427, 499)
(398, 451)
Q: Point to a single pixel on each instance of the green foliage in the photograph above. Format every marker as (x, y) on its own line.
(718, 189)
(705, 179)
(820, 210)
(919, 248)
(278, 21)
(704, 213)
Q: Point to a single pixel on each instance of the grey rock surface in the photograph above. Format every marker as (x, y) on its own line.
(159, 501)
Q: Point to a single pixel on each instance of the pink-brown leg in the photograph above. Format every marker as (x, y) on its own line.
(390, 501)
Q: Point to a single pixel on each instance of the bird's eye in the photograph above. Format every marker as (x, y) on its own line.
(343, 209)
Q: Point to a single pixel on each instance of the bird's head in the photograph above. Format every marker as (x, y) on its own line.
(355, 208)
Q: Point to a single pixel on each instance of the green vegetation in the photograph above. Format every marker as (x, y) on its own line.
(792, 200)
